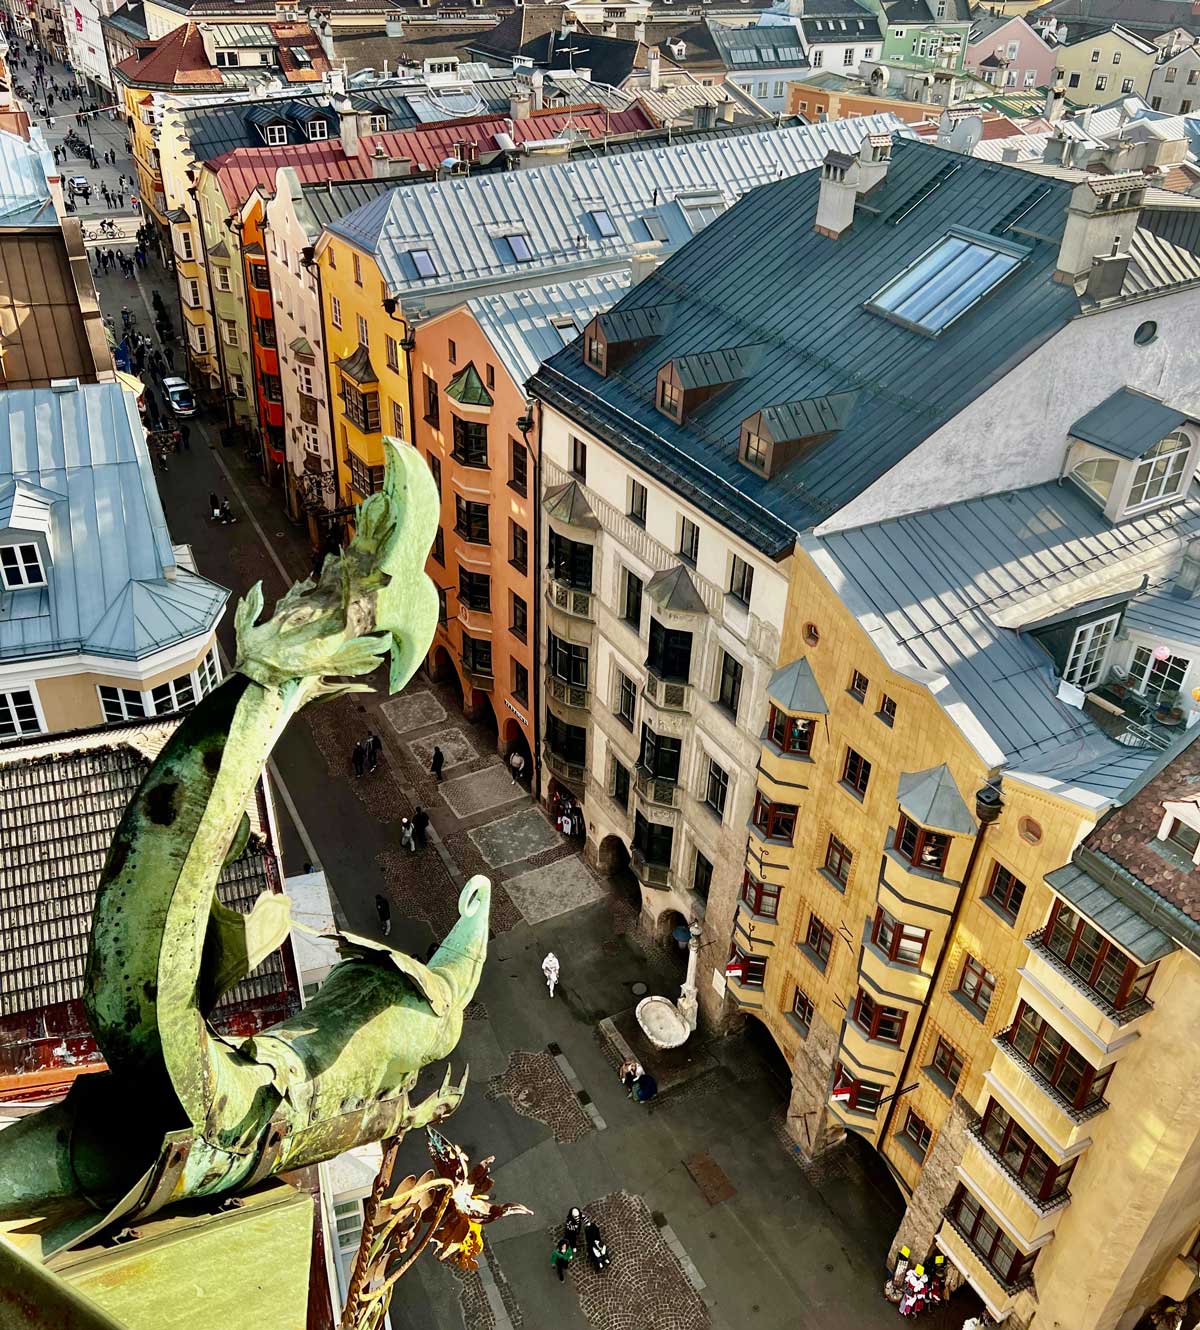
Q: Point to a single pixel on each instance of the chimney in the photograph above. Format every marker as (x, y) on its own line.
(1187, 579)
(349, 127)
(1010, 155)
(1056, 102)
(1101, 216)
(337, 82)
(945, 129)
(393, 26)
(1107, 276)
(655, 58)
(704, 116)
(1055, 151)
(384, 167)
(520, 104)
(641, 265)
(537, 91)
(835, 203)
(639, 31)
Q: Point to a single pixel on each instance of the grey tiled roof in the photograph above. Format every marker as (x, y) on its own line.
(761, 273)
(1128, 423)
(926, 587)
(1108, 911)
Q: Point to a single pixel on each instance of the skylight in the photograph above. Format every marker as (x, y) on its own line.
(423, 262)
(566, 328)
(603, 223)
(655, 230)
(945, 282)
(519, 244)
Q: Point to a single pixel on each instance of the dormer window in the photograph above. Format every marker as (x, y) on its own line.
(227, 60)
(275, 135)
(775, 436)
(1160, 473)
(378, 124)
(1184, 837)
(670, 399)
(21, 566)
(318, 129)
(593, 353)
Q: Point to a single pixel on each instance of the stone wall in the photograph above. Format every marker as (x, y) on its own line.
(809, 1122)
(932, 1194)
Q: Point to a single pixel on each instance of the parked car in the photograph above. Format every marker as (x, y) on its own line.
(77, 184)
(178, 393)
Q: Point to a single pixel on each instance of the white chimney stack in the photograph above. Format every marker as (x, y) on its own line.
(655, 58)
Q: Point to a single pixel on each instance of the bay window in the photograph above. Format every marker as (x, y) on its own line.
(922, 848)
(859, 1095)
(1102, 965)
(1038, 1175)
(570, 562)
(659, 755)
(653, 841)
(877, 1021)
(753, 969)
(988, 1240)
(761, 897)
(1160, 473)
(778, 821)
(902, 943)
(1060, 1065)
(567, 661)
(670, 654)
(790, 734)
(569, 742)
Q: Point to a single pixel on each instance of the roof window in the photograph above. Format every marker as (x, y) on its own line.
(945, 282)
(519, 244)
(423, 262)
(603, 223)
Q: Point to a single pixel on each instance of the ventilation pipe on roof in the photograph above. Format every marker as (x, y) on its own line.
(1107, 276)
(537, 89)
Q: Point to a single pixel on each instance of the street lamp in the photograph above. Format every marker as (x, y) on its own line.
(408, 341)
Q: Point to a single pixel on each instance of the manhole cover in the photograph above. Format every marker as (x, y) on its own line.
(640, 989)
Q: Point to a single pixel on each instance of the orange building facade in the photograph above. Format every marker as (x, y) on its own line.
(468, 418)
(260, 318)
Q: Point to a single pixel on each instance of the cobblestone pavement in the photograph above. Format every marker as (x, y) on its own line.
(644, 1288)
(535, 1087)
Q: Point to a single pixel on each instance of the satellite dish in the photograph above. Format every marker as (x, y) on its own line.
(965, 136)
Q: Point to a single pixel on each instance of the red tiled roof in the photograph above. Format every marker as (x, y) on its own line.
(242, 170)
(180, 58)
(302, 35)
(432, 144)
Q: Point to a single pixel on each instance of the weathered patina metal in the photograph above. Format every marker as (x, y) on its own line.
(181, 1111)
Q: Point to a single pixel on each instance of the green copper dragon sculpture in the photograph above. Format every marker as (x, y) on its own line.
(182, 1112)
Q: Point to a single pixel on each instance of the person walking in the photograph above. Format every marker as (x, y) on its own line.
(516, 766)
(550, 969)
(374, 748)
(183, 438)
(226, 512)
(420, 826)
(561, 1257)
(406, 835)
(384, 911)
(437, 762)
(573, 1227)
(597, 1248)
(359, 759)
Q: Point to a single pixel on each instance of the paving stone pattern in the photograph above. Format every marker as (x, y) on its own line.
(413, 710)
(514, 838)
(479, 791)
(644, 1288)
(535, 1088)
(546, 892)
(456, 748)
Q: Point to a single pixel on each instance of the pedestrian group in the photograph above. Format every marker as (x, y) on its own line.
(576, 1231)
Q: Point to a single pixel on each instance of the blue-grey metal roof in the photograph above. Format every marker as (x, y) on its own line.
(526, 327)
(745, 50)
(794, 687)
(1165, 616)
(927, 588)
(761, 272)
(75, 470)
(462, 222)
(673, 589)
(1128, 423)
(721, 365)
(24, 190)
(1099, 904)
(932, 799)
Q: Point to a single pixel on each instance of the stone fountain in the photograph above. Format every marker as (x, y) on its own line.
(668, 1024)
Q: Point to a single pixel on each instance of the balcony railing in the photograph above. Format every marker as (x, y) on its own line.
(655, 790)
(1011, 1286)
(569, 694)
(653, 875)
(570, 599)
(975, 1131)
(1139, 1006)
(672, 696)
(1051, 1091)
(563, 768)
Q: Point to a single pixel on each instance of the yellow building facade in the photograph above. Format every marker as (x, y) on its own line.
(890, 937)
(1097, 69)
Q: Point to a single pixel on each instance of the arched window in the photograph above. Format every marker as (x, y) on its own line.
(1159, 474)
(1096, 476)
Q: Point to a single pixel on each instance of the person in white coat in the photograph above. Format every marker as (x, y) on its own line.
(550, 970)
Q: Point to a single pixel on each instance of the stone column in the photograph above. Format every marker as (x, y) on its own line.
(809, 1122)
(938, 1179)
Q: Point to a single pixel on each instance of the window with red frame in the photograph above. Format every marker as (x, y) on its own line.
(790, 734)
(819, 941)
(761, 897)
(902, 943)
(1066, 1069)
(856, 772)
(990, 1242)
(838, 860)
(922, 849)
(1101, 964)
(1005, 891)
(947, 1061)
(1038, 1174)
(917, 1131)
(976, 985)
(802, 1007)
(862, 1096)
(877, 1021)
(754, 968)
(775, 820)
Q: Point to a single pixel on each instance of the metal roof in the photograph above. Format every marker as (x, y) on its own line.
(748, 49)
(793, 421)
(1165, 616)
(115, 586)
(1128, 423)
(1111, 914)
(526, 327)
(466, 387)
(795, 688)
(332, 199)
(568, 504)
(673, 589)
(462, 221)
(711, 369)
(24, 190)
(762, 272)
(928, 586)
(932, 799)
(357, 365)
